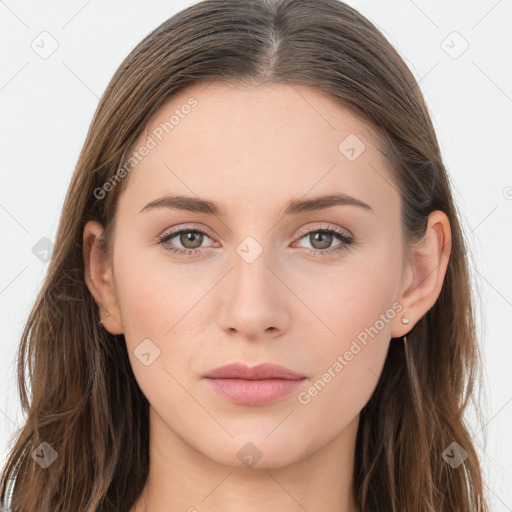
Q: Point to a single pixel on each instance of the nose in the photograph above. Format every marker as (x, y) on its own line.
(253, 301)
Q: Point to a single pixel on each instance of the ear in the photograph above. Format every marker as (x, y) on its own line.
(100, 279)
(423, 276)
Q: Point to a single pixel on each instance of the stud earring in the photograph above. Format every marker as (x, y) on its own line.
(405, 320)
(106, 314)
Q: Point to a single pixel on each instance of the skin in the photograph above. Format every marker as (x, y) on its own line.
(252, 149)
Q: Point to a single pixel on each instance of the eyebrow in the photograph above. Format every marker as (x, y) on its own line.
(294, 207)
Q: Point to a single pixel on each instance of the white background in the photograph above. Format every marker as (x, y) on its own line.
(47, 104)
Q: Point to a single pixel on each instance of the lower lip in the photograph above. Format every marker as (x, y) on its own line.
(254, 392)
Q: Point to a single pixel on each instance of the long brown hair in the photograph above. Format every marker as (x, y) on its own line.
(86, 403)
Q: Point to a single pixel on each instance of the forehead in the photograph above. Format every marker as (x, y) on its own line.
(261, 141)
(227, 105)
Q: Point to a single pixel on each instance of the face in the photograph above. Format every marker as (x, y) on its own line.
(262, 280)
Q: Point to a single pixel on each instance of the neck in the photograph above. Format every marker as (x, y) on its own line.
(182, 478)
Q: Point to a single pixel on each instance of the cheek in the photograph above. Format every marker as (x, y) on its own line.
(159, 340)
(351, 332)
(345, 299)
(170, 305)
(154, 305)
(153, 294)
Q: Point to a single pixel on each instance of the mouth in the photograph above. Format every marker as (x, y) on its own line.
(257, 385)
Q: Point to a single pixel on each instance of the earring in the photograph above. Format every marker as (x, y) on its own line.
(106, 314)
(405, 320)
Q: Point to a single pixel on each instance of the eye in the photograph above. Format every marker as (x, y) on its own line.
(321, 240)
(190, 239)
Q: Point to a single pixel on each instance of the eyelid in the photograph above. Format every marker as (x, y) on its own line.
(342, 231)
(303, 231)
(343, 234)
(176, 230)
(184, 227)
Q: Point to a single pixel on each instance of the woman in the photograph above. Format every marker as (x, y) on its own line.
(190, 352)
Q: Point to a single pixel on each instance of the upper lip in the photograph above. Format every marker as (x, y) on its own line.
(261, 371)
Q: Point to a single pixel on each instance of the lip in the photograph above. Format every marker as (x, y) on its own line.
(258, 385)
(261, 371)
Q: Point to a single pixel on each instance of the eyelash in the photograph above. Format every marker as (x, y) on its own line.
(345, 241)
